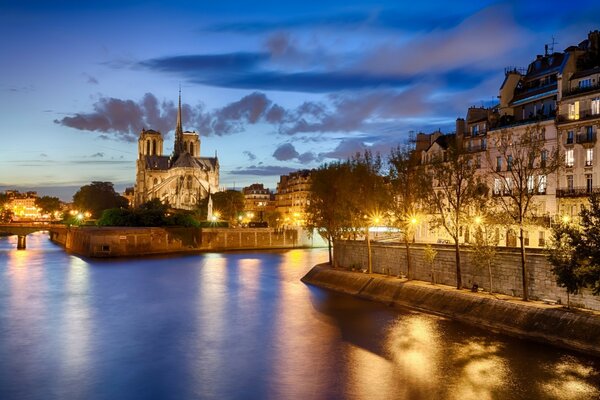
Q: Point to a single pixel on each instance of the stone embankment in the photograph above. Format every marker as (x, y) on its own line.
(572, 329)
(127, 242)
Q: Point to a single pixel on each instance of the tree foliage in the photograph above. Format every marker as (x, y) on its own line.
(528, 163)
(408, 185)
(455, 191)
(575, 251)
(344, 196)
(48, 204)
(151, 213)
(97, 197)
(229, 204)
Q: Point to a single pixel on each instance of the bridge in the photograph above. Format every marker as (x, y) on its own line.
(24, 229)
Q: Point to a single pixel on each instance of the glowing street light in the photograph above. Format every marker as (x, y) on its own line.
(478, 220)
(566, 219)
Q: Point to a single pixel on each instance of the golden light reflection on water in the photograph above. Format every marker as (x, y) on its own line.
(481, 371)
(413, 344)
(249, 277)
(76, 326)
(570, 381)
(370, 375)
(304, 369)
(211, 320)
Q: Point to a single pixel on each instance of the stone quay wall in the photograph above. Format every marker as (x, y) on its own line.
(390, 259)
(125, 241)
(577, 330)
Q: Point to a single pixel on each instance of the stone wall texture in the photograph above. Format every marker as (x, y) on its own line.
(390, 259)
(124, 242)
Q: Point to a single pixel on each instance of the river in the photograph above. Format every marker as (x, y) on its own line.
(241, 325)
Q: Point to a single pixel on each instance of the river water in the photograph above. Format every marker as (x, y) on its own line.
(242, 326)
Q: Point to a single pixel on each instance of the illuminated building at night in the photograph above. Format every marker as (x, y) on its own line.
(181, 179)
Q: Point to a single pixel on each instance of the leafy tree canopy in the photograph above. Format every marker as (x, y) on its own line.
(97, 197)
(48, 204)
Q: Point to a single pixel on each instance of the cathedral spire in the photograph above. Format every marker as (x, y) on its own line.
(179, 147)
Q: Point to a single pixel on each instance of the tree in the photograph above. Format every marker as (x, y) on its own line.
(48, 204)
(529, 161)
(563, 257)
(430, 254)
(97, 197)
(229, 204)
(454, 190)
(408, 186)
(345, 197)
(330, 188)
(575, 251)
(485, 246)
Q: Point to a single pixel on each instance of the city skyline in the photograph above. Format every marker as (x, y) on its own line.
(272, 88)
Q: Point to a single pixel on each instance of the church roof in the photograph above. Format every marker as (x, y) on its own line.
(157, 162)
(185, 160)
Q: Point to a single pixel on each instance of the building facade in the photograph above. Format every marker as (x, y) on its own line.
(292, 197)
(181, 179)
(258, 201)
(558, 97)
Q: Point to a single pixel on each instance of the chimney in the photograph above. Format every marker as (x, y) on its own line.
(460, 126)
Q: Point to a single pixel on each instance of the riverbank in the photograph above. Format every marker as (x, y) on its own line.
(572, 329)
(102, 242)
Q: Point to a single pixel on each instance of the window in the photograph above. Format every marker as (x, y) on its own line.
(483, 143)
(569, 158)
(542, 183)
(596, 106)
(544, 158)
(498, 163)
(570, 182)
(509, 162)
(585, 83)
(525, 238)
(589, 133)
(588, 183)
(530, 183)
(508, 186)
(589, 157)
(574, 110)
(542, 239)
(475, 130)
(497, 186)
(570, 136)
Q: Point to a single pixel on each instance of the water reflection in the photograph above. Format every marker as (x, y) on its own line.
(242, 325)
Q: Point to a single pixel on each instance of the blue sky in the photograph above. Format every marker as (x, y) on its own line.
(272, 86)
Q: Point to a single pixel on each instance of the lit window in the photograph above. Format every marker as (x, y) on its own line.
(574, 110)
(530, 183)
(589, 157)
(596, 106)
(497, 185)
(542, 182)
(569, 158)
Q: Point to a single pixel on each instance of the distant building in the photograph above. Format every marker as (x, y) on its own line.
(292, 197)
(258, 200)
(24, 208)
(181, 179)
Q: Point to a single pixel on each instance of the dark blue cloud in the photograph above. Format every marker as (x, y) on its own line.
(240, 71)
(266, 170)
(202, 63)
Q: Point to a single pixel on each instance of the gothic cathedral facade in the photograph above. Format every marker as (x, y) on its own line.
(181, 179)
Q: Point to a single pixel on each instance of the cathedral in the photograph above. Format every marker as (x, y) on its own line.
(181, 179)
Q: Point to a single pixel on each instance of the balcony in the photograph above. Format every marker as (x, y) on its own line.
(580, 90)
(584, 115)
(577, 191)
(588, 137)
(474, 149)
